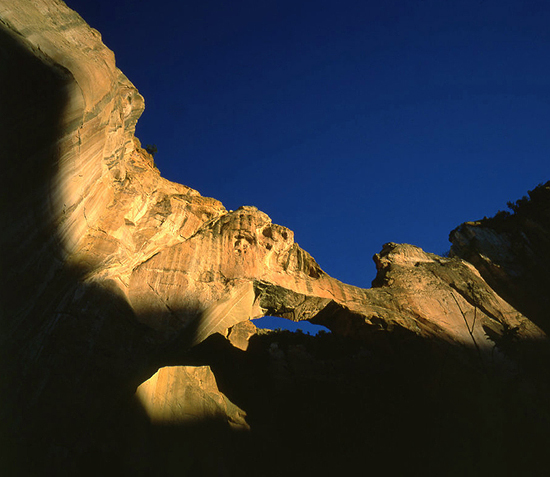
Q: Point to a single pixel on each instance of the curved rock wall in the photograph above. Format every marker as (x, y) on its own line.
(176, 258)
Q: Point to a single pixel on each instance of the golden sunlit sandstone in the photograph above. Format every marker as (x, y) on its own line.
(110, 272)
(176, 394)
(181, 262)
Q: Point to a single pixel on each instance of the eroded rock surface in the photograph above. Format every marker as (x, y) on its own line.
(181, 263)
(183, 394)
(511, 253)
(110, 271)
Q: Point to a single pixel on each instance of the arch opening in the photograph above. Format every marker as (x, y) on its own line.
(275, 322)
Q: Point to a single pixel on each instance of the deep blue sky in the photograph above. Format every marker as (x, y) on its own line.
(353, 123)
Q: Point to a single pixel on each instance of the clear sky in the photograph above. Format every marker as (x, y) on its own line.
(353, 123)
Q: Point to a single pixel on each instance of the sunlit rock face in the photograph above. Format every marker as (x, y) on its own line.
(110, 271)
(180, 263)
(446, 298)
(511, 253)
(183, 394)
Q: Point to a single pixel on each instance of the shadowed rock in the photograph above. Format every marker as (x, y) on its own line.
(511, 253)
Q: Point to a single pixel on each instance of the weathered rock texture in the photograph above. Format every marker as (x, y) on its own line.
(110, 271)
(511, 253)
(179, 394)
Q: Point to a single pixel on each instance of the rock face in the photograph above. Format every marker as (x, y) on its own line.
(434, 297)
(110, 271)
(179, 394)
(511, 253)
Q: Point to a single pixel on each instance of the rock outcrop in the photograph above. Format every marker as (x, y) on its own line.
(182, 394)
(110, 271)
(511, 253)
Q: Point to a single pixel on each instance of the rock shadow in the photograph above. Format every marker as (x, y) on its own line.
(70, 352)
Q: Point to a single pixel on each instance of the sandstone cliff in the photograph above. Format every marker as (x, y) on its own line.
(511, 253)
(110, 271)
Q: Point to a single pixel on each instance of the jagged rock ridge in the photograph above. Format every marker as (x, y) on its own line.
(110, 271)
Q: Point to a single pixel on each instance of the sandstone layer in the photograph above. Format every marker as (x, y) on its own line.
(110, 272)
(176, 394)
